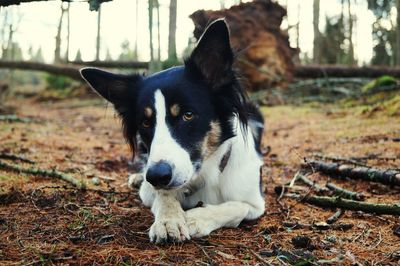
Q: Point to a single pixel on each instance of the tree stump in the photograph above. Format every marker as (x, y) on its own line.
(264, 54)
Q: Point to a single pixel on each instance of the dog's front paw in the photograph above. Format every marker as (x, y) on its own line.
(198, 226)
(172, 229)
(135, 180)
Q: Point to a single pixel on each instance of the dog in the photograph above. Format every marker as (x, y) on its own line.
(197, 136)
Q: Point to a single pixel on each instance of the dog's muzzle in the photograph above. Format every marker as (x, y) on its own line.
(159, 175)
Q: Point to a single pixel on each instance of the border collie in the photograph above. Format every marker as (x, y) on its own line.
(198, 137)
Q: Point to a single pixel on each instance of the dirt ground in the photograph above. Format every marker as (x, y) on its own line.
(45, 221)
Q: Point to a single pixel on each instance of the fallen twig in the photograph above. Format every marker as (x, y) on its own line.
(332, 219)
(42, 172)
(344, 193)
(346, 204)
(338, 159)
(311, 183)
(388, 177)
(317, 226)
(9, 156)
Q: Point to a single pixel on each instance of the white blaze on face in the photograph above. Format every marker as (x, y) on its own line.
(165, 148)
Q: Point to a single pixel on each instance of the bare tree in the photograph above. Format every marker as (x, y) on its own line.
(98, 34)
(158, 31)
(317, 33)
(135, 51)
(151, 6)
(350, 34)
(172, 30)
(398, 33)
(68, 32)
(57, 51)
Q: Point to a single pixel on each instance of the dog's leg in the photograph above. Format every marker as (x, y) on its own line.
(170, 223)
(203, 220)
(135, 180)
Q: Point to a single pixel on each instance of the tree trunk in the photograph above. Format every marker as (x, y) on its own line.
(398, 33)
(98, 34)
(57, 51)
(158, 32)
(151, 5)
(172, 30)
(351, 60)
(135, 51)
(68, 33)
(317, 33)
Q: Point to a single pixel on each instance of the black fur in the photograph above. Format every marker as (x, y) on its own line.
(206, 85)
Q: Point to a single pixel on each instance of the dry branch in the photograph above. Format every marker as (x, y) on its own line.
(311, 183)
(45, 173)
(335, 216)
(344, 193)
(337, 202)
(388, 177)
(9, 156)
(317, 226)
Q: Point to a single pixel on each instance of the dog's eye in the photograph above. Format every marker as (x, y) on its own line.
(146, 123)
(187, 116)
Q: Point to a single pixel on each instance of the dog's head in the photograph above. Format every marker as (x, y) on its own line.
(181, 114)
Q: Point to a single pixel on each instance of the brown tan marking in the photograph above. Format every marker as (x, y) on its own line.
(211, 140)
(148, 112)
(175, 109)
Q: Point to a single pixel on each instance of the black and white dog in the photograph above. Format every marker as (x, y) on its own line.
(199, 135)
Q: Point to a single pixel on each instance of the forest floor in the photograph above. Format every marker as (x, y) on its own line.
(45, 220)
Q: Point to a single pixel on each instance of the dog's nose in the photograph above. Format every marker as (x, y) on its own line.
(159, 174)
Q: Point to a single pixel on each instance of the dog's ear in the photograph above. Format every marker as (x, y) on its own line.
(115, 88)
(213, 56)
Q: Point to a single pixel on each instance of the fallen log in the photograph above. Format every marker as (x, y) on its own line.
(45, 173)
(346, 204)
(113, 64)
(323, 71)
(344, 193)
(64, 70)
(388, 177)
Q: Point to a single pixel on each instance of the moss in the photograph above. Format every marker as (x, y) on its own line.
(379, 82)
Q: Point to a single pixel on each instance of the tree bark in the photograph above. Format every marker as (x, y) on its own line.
(151, 6)
(172, 30)
(317, 33)
(57, 51)
(68, 32)
(350, 37)
(98, 34)
(398, 33)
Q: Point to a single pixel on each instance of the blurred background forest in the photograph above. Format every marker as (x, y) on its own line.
(280, 45)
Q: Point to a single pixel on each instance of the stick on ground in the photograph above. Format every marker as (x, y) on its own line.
(311, 183)
(344, 193)
(388, 177)
(9, 156)
(45, 173)
(346, 204)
